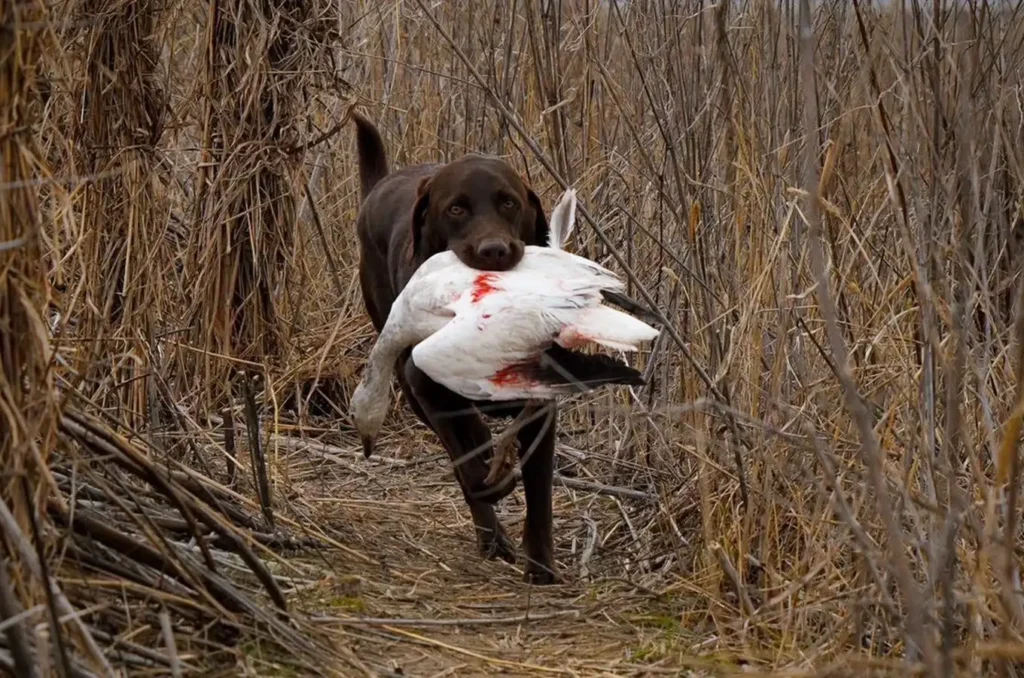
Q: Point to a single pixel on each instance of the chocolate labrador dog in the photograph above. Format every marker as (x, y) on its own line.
(481, 209)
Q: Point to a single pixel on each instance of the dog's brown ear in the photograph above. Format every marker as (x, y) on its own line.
(419, 217)
(541, 232)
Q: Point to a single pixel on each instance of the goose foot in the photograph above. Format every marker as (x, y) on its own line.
(506, 444)
(495, 545)
(503, 455)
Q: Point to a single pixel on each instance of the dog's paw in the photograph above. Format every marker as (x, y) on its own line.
(540, 575)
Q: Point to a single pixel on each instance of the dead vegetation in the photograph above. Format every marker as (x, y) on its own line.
(821, 476)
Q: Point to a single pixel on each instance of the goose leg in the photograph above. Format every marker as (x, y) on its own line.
(507, 442)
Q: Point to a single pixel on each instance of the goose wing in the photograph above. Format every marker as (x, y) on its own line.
(471, 354)
(540, 283)
(514, 356)
(507, 347)
(552, 263)
(563, 217)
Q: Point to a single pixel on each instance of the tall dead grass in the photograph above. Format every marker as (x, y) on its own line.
(260, 61)
(28, 401)
(115, 129)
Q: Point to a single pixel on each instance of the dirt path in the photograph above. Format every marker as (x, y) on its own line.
(414, 599)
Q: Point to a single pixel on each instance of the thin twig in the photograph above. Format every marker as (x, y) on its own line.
(60, 646)
(172, 650)
(488, 621)
(259, 465)
(228, 427)
(734, 577)
(332, 266)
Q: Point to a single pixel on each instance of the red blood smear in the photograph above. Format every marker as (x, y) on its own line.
(570, 337)
(483, 285)
(508, 376)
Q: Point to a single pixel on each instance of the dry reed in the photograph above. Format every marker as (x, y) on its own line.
(115, 130)
(28, 407)
(259, 60)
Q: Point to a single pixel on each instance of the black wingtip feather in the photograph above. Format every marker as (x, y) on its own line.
(581, 371)
(631, 306)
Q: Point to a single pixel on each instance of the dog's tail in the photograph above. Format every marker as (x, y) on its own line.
(373, 161)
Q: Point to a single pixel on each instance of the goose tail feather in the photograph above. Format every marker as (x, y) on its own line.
(608, 327)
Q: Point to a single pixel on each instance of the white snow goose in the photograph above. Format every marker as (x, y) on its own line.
(506, 335)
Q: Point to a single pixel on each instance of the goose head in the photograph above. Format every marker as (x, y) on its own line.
(369, 405)
(370, 401)
(408, 323)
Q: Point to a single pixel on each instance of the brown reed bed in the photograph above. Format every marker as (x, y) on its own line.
(28, 407)
(121, 217)
(820, 478)
(245, 205)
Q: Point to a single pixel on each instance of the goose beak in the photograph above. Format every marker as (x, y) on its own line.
(367, 446)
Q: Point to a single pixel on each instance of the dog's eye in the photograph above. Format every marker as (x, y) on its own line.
(456, 210)
(509, 204)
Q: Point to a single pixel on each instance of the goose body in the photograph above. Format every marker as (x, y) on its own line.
(506, 335)
(498, 331)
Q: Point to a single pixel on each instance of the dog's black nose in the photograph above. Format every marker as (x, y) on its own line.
(495, 254)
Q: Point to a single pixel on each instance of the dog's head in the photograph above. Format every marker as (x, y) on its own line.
(481, 209)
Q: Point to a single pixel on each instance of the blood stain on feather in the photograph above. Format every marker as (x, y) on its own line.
(510, 376)
(483, 285)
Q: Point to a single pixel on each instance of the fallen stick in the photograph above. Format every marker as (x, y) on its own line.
(17, 638)
(28, 557)
(485, 621)
(600, 488)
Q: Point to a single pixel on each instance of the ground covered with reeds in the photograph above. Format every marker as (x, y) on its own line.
(820, 477)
